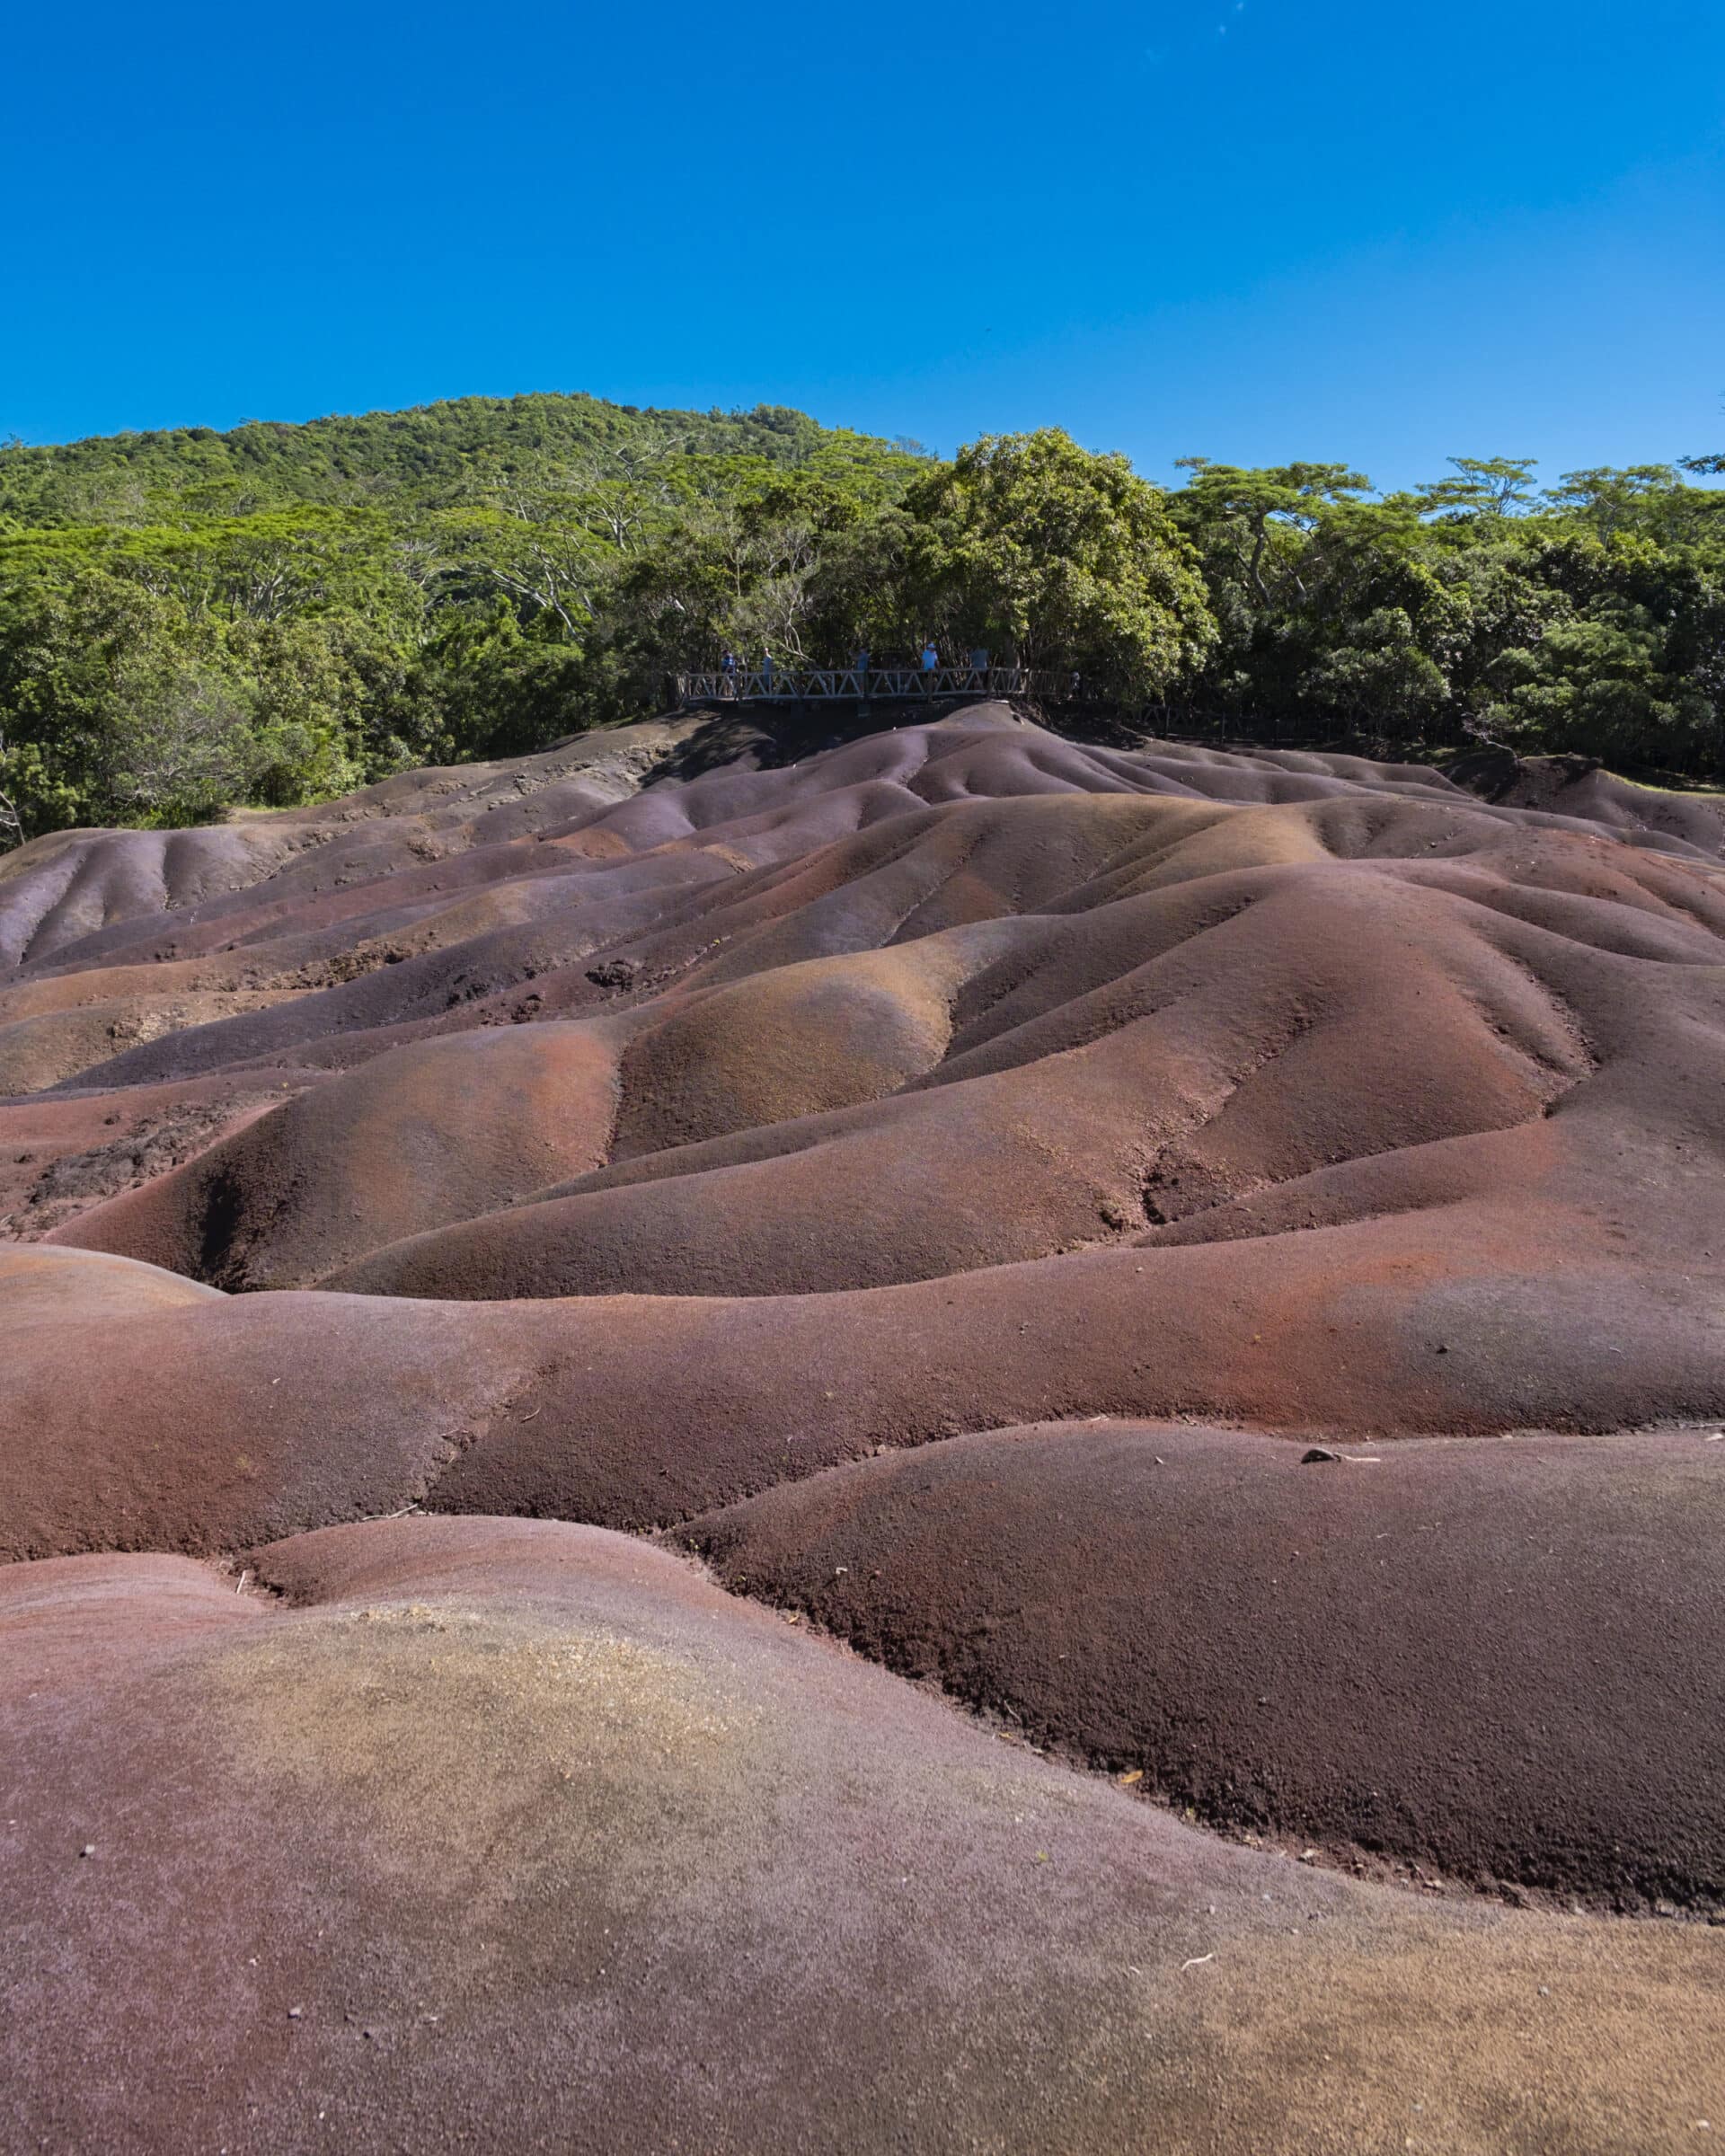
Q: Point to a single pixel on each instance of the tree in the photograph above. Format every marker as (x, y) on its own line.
(1381, 681)
(1029, 544)
(1617, 500)
(1596, 685)
(11, 823)
(1483, 486)
(179, 743)
(278, 612)
(1263, 519)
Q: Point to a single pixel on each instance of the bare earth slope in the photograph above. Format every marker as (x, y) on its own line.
(948, 1182)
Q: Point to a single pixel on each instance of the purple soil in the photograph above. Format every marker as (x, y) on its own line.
(1577, 787)
(636, 1137)
(507, 1835)
(1459, 1654)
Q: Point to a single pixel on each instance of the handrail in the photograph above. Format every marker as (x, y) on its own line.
(761, 684)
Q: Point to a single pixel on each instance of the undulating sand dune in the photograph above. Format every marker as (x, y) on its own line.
(948, 1183)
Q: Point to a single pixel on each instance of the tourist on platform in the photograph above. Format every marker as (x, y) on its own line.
(931, 657)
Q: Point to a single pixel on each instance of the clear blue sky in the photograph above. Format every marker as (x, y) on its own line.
(1254, 229)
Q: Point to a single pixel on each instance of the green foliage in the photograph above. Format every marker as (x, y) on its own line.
(1483, 486)
(190, 620)
(1590, 620)
(1029, 544)
(1381, 676)
(121, 706)
(439, 455)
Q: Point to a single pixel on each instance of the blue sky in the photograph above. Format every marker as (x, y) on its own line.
(1390, 232)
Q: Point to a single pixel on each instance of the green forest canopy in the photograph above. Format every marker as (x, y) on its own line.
(278, 613)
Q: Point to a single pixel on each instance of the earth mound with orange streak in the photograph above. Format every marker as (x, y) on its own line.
(950, 1440)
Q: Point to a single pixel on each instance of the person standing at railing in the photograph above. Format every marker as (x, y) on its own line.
(727, 672)
(931, 657)
(766, 673)
(979, 668)
(861, 662)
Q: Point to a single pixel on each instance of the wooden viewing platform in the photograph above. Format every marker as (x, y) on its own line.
(758, 684)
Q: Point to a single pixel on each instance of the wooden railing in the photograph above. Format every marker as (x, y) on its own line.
(763, 685)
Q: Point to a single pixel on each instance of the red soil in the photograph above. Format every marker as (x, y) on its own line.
(515, 1835)
(536, 1139)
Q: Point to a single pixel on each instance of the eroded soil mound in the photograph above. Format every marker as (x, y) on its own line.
(948, 1179)
(1453, 1654)
(512, 1835)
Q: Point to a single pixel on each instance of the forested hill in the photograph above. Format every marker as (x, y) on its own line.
(434, 456)
(278, 614)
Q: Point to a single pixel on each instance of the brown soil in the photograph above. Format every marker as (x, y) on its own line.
(948, 1179)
